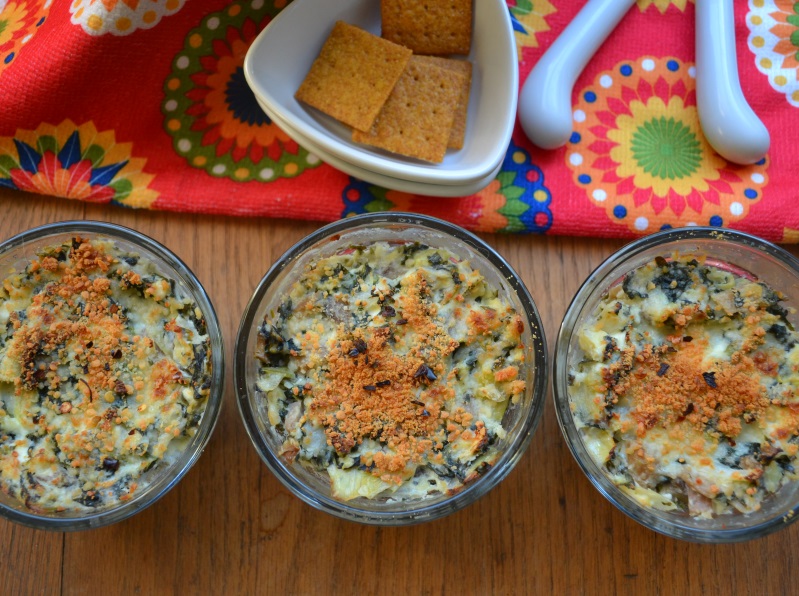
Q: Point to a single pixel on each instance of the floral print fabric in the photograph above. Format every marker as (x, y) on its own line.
(144, 104)
(19, 21)
(75, 162)
(640, 154)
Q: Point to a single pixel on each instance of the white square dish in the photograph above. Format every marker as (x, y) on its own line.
(282, 54)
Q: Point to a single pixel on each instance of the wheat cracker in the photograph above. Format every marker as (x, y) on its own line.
(417, 118)
(429, 26)
(353, 75)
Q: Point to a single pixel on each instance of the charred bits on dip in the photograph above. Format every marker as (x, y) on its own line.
(105, 372)
(686, 388)
(389, 367)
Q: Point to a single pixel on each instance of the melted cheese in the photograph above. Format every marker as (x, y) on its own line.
(104, 375)
(685, 388)
(390, 367)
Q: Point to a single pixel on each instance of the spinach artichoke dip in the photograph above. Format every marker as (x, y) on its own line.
(104, 373)
(686, 389)
(390, 367)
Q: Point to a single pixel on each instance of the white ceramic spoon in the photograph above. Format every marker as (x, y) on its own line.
(729, 123)
(545, 103)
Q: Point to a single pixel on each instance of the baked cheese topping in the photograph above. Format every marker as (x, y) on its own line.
(104, 373)
(685, 391)
(390, 367)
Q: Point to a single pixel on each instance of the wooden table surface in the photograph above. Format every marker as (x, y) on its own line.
(230, 527)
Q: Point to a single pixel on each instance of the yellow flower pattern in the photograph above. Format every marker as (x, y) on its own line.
(75, 162)
(639, 152)
(662, 5)
(529, 17)
(668, 164)
(19, 22)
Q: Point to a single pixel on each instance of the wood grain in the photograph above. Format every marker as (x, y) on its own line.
(230, 527)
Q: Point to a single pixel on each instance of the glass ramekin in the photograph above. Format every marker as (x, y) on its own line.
(15, 253)
(520, 420)
(743, 254)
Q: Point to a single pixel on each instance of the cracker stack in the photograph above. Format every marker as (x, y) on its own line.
(417, 118)
(353, 75)
(463, 67)
(392, 96)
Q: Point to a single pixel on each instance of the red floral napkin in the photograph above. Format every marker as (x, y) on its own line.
(143, 103)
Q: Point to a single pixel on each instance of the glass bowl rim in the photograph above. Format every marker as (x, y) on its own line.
(597, 281)
(467, 494)
(168, 480)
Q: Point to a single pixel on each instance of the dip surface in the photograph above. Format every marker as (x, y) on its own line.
(104, 374)
(389, 367)
(685, 388)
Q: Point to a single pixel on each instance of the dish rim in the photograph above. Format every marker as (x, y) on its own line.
(598, 281)
(173, 474)
(422, 513)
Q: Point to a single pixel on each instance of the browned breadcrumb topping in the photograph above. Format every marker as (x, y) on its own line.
(394, 398)
(99, 328)
(668, 386)
(506, 374)
(698, 412)
(96, 331)
(391, 367)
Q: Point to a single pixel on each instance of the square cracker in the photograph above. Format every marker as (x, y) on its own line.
(353, 75)
(417, 118)
(429, 27)
(458, 132)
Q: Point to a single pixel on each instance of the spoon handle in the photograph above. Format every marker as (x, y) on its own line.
(545, 109)
(729, 123)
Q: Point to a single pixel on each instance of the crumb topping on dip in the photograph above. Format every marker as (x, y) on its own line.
(390, 367)
(104, 373)
(685, 391)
